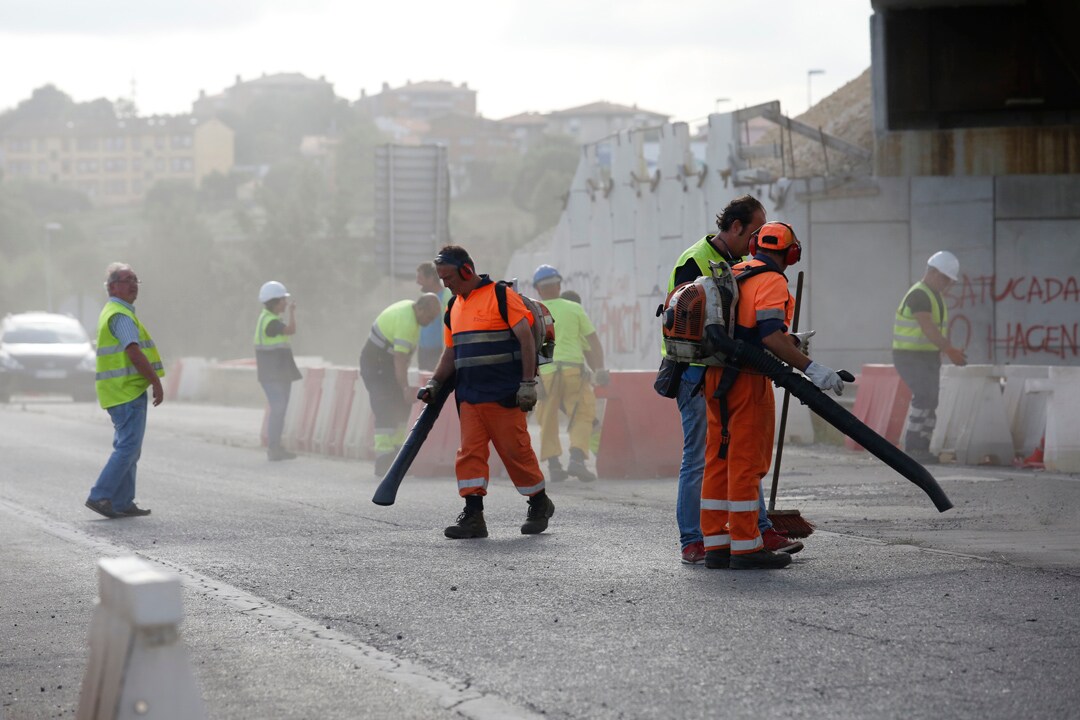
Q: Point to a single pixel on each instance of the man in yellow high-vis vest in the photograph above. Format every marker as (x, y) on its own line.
(920, 336)
(384, 368)
(127, 364)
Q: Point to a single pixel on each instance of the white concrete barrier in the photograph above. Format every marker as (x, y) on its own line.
(1063, 420)
(138, 665)
(1027, 391)
(972, 419)
(192, 385)
(234, 384)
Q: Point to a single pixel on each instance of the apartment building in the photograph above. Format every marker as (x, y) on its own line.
(423, 100)
(598, 120)
(116, 161)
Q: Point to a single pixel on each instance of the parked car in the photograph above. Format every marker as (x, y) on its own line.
(45, 353)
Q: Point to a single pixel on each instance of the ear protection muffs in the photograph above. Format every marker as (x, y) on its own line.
(465, 268)
(771, 234)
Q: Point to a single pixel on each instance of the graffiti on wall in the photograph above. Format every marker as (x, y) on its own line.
(1054, 300)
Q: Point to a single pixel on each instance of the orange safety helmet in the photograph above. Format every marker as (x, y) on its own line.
(777, 236)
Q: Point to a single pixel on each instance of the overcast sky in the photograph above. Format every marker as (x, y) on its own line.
(675, 58)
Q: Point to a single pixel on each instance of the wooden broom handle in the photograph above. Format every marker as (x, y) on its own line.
(787, 397)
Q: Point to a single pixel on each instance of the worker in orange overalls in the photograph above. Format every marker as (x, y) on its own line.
(741, 409)
(491, 349)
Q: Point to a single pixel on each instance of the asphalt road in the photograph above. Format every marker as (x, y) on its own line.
(305, 600)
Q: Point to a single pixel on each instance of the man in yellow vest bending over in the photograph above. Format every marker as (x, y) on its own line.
(384, 366)
(920, 335)
(127, 364)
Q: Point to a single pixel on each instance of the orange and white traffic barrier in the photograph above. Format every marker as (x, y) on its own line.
(881, 403)
(641, 434)
(334, 410)
(172, 379)
(359, 438)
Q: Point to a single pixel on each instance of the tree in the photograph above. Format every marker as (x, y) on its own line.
(545, 176)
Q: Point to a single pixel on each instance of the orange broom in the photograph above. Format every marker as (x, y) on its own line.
(790, 522)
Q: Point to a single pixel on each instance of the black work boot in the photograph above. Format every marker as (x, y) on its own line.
(470, 524)
(276, 453)
(718, 559)
(577, 466)
(759, 560)
(536, 519)
(555, 470)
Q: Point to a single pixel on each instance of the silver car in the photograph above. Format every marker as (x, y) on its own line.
(45, 353)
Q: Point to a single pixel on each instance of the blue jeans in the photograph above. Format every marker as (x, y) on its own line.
(692, 469)
(116, 482)
(277, 395)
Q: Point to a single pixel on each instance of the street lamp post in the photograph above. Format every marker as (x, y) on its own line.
(810, 74)
(50, 228)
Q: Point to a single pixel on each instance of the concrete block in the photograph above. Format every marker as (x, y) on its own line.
(138, 666)
(1062, 420)
(972, 420)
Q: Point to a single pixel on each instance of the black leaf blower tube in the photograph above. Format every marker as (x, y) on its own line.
(387, 491)
(743, 355)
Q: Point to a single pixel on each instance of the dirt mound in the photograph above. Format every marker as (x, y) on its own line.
(847, 114)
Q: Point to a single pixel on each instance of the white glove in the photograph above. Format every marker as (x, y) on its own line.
(824, 377)
(803, 340)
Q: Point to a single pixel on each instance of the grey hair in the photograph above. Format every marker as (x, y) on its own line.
(113, 271)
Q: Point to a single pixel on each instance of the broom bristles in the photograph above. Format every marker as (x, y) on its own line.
(791, 522)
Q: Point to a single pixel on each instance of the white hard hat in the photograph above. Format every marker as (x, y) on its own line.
(272, 291)
(945, 263)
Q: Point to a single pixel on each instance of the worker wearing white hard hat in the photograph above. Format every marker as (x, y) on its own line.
(277, 369)
(920, 336)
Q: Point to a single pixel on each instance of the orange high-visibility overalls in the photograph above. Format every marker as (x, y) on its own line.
(729, 490)
(487, 361)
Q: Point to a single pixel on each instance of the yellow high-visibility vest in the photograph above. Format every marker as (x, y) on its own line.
(907, 333)
(117, 380)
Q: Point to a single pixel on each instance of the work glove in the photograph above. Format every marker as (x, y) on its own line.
(526, 395)
(802, 340)
(601, 377)
(825, 377)
(428, 392)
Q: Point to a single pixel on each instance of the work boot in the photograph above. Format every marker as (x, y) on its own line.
(778, 542)
(693, 553)
(555, 470)
(275, 453)
(470, 524)
(577, 466)
(536, 519)
(759, 560)
(718, 559)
